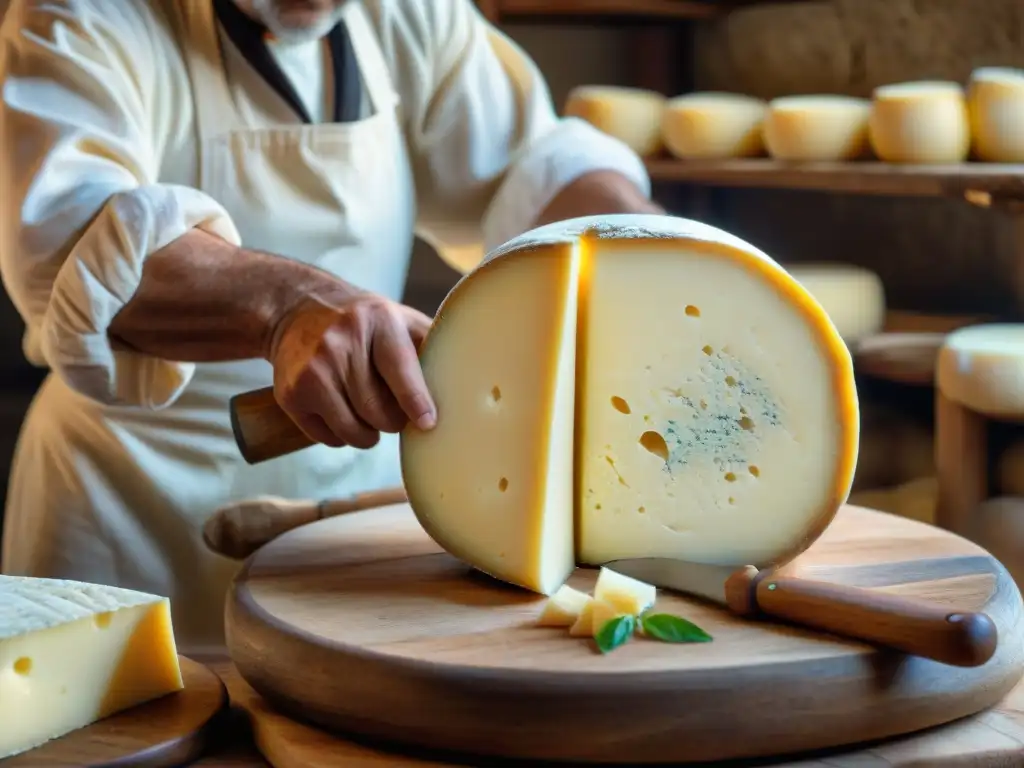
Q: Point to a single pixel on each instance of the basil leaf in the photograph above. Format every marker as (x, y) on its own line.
(672, 629)
(614, 633)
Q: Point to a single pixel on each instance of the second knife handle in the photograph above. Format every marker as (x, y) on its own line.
(262, 429)
(930, 630)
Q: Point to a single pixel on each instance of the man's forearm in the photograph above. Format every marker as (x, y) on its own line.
(202, 299)
(596, 193)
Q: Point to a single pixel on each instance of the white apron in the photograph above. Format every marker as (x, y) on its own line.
(119, 495)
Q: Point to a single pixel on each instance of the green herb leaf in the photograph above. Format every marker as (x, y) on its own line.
(672, 629)
(614, 633)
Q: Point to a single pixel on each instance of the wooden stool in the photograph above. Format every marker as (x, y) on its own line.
(979, 378)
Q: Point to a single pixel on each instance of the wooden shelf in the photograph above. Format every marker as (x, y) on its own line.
(863, 178)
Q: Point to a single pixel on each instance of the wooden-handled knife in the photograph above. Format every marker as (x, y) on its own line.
(262, 429)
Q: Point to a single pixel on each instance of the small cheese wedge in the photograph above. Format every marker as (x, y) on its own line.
(982, 367)
(853, 297)
(701, 398)
(595, 614)
(74, 653)
(632, 115)
(627, 594)
(817, 128)
(583, 626)
(995, 102)
(563, 608)
(920, 122)
(713, 126)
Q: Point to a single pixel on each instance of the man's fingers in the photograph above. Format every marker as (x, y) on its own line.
(418, 325)
(394, 355)
(370, 396)
(317, 403)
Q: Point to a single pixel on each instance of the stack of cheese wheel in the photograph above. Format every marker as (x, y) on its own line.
(713, 126)
(817, 128)
(920, 122)
(632, 115)
(700, 398)
(995, 99)
(853, 297)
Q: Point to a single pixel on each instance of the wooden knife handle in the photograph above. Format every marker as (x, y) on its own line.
(917, 627)
(238, 530)
(262, 429)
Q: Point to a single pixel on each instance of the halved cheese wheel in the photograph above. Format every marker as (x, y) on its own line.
(701, 398)
(995, 101)
(632, 115)
(817, 128)
(920, 122)
(713, 126)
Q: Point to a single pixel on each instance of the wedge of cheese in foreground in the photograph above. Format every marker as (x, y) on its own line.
(73, 653)
(715, 415)
(563, 608)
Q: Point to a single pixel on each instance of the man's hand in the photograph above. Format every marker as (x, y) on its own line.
(346, 368)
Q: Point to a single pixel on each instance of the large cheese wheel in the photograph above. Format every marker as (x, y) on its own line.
(713, 126)
(852, 296)
(922, 122)
(632, 115)
(995, 101)
(817, 128)
(1010, 470)
(700, 396)
(982, 368)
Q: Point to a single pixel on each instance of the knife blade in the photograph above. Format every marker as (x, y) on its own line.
(916, 627)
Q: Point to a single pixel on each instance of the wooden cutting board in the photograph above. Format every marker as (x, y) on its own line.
(362, 623)
(173, 730)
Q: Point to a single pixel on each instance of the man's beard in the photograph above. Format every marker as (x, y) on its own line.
(269, 12)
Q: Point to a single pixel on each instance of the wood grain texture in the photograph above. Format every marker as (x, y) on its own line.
(904, 358)
(262, 429)
(362, 623)
(991, 739)
(864, 178)
(173, 730)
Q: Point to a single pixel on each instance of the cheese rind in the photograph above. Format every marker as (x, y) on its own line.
(854, 298)
(713, 126)
(817, 128)
(627, 594)
(920, 122)
(995, 102)
(632, 115)
(563, 608)
(74, 653)
(982, 368)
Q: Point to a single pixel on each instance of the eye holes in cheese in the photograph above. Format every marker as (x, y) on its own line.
(503, 484)
(23, 666)
(102, 620)
(495, 394)
(654, 443)
(620, 405)
(692, 311)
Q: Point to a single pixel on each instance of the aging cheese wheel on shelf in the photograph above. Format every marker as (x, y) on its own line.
(817, 128)
(920, 122)
(713, 126)
(632, 115)
(74, 653)
(995, 100)
(700, 396)
(982, 367)
(852, 296)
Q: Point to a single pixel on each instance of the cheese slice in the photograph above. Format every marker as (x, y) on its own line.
(817, 128)
(632, 115)
(920, 122)
(563, 608)
(74, 653)
(713, 126)
(982, 367)
(715, 415)
(627, 594)
(584, 624)
(995, 102)
(853, 297)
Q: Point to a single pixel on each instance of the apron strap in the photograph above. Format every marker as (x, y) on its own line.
(368, 51)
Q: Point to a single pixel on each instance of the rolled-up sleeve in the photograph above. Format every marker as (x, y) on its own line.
(490, 151)
(82, 205)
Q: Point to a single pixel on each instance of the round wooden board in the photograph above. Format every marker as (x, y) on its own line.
(169, 731)
(361, 623)
(903, 358)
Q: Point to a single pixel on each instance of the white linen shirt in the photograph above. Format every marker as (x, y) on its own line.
(98, 158)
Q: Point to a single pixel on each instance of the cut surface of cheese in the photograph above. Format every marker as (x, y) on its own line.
(627, 594)
(492, 481)
(715, 416)
(920, 122)
(995, 102)
(817, 128)
(713, 126)
(74, 653)
(584, 624)
(853, 297)
(631, 115)
(563, 608)
(982, 368)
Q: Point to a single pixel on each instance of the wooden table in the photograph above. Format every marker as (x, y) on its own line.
(237, 749)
